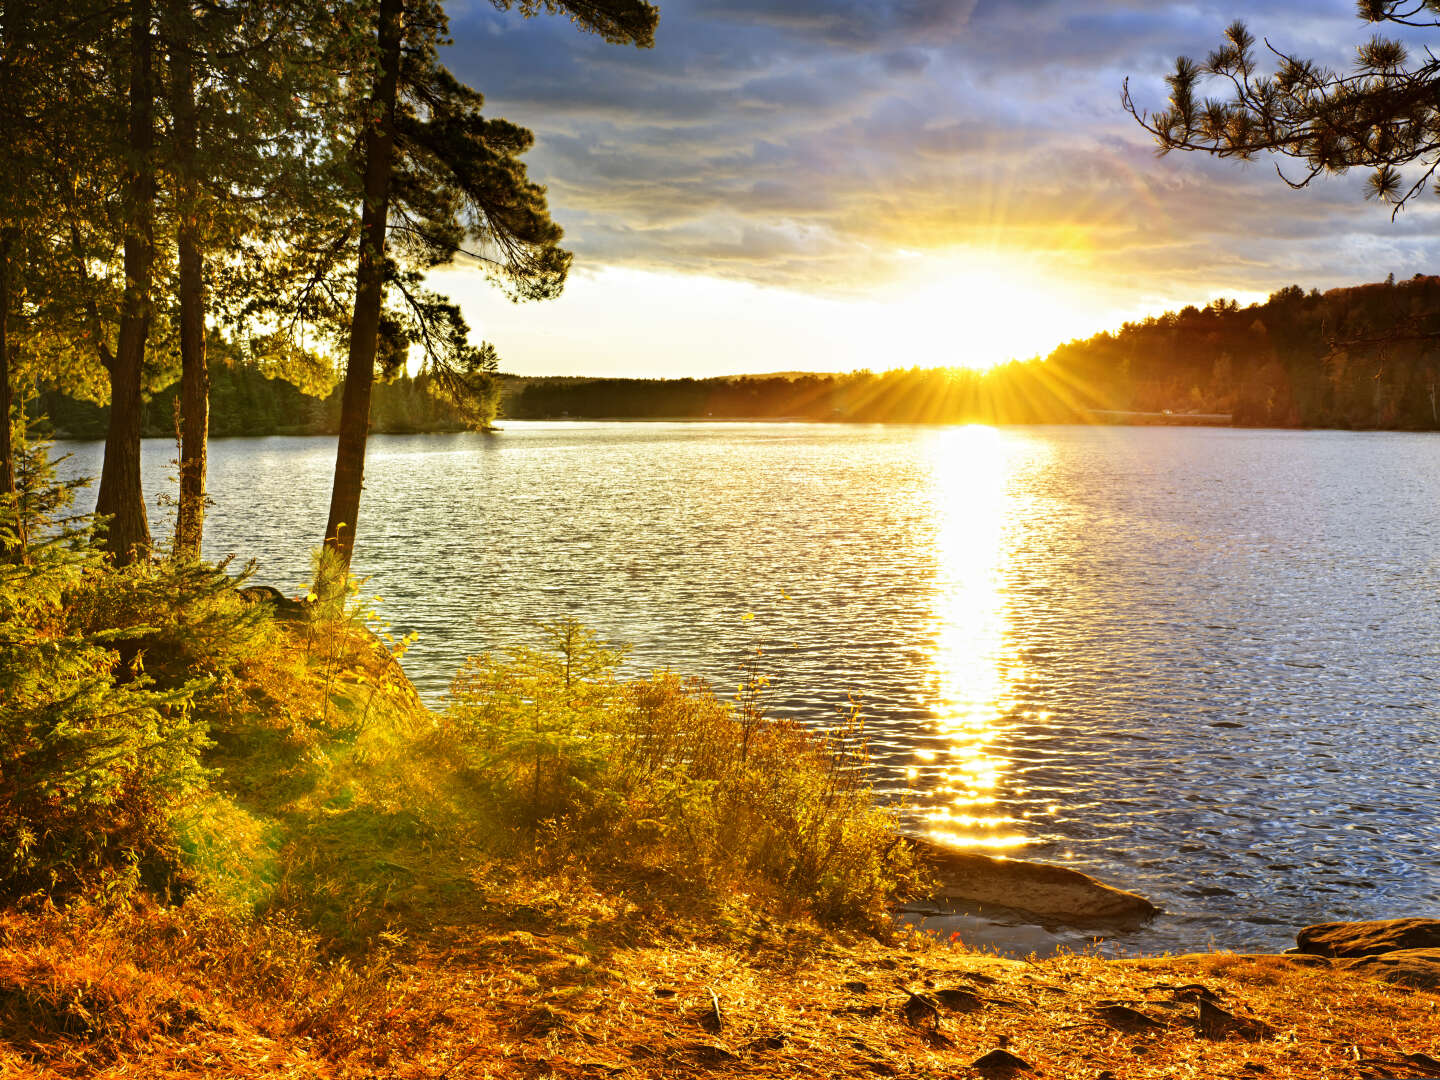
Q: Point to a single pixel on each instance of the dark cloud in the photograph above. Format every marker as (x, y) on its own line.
(853, 24)
(804, 142)
(903, 62)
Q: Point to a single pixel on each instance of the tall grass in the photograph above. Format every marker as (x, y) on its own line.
(660, 777)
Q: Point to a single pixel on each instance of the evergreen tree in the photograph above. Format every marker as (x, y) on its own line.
(120, 497)
(1384, 115)
(44, 49)
(14, 174)
(163, 131)
(184, 31)
(444, 180)
(247, 79)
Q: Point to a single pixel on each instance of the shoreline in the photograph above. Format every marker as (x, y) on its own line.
(396, 934)
(499, 427)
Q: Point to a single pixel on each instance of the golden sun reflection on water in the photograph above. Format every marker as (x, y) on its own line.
(976, 664)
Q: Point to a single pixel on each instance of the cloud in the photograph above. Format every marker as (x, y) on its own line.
(850, 24)
(817, 144)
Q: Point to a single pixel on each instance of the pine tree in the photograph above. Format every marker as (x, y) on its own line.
(246, 80)
(442, 179)
(1383, 115)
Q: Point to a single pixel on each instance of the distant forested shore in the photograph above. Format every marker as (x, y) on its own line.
(1363, 357)
(245, 400)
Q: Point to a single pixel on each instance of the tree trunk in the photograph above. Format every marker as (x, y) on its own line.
(8, 237)
(7, 450)
(121, 497)
(379, 147)
(194, 371)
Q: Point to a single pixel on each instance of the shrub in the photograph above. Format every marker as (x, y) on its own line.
(116, 685)
(89, 986)
(532, 721)
(660, 775)
(94, 757)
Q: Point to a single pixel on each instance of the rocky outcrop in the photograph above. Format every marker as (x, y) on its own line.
(1418, 968)
(1342, 939)
(1053, 894)
(284, 607)
(1405, 952)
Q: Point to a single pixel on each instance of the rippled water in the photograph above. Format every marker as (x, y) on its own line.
(1199, 663)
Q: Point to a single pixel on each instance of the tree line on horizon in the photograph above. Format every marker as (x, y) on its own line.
(269, 180)
(1365, 356)
(1358, 357)
(1361, 357)
(245, 401)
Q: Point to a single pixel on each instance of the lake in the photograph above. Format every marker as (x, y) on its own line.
(1197, 663)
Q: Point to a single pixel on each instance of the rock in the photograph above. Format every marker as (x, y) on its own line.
(1213, 1022)
(767, 1042)
(711, 1018)
(1369, 938)
(1124, 1018)
(1427, 1064)
(1054, 893)
(1418, 968)
(958, 1000)
(1188, 993)
(711, 1053)
(918, 1008)
(266, 594)
(1300, 959)
(981, 977)
(1002, 1062)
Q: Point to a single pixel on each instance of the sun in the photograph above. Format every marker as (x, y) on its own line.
(979, 311)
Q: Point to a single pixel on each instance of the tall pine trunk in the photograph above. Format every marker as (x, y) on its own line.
(121, 497)
(8, 237)
(378, 147)
(7, 449)
(194, 371)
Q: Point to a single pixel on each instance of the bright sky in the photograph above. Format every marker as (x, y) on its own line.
(830, 184)
(945, 311)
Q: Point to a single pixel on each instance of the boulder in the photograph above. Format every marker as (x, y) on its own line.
(283, 606)
(1053, 894)
(1368, 938)
(1001, 1062)
(1418, 968)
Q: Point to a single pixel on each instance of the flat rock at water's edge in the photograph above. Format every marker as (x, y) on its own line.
(1052, 893)
(1369, 938)
(1419, 968)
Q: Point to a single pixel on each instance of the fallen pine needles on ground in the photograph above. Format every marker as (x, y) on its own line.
(622, 994)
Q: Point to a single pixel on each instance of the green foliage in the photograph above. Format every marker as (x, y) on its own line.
(96, 756)
(125, 688)
(1380, 115)
(659, 777)
(245, 400)
(531, 718)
